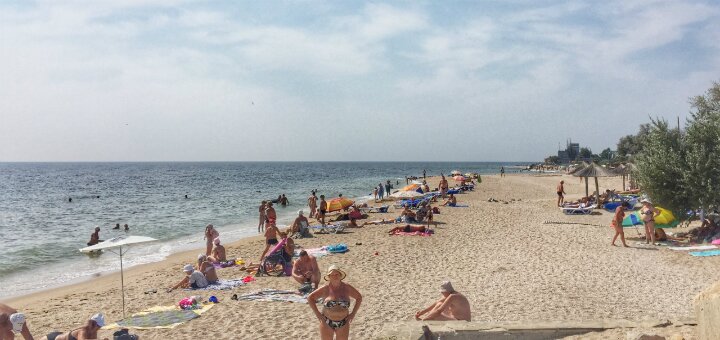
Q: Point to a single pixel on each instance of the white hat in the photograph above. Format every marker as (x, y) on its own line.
(300, 212)
(645, 200)
(446, 287)
(202, 256)
(99, 319)
(188, 268)
(17, 320)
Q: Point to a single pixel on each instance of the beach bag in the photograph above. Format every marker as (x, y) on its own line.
(305, 288)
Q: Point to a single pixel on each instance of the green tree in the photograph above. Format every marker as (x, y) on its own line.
(606, 154)
(585, 153)
(552, 160)
(631, 145)
(702, 136)
(661, 167)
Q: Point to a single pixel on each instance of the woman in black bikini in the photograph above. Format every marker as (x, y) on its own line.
(648, 213)
(336, 316)
(89, 331)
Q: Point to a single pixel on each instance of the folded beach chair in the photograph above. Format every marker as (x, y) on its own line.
(578, 210)
(274, 263)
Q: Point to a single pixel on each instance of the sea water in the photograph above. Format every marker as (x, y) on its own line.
(41, 230)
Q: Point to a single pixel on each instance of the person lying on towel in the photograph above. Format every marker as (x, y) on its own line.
(409, 229)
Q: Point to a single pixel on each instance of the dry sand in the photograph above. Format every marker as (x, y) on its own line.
(503, 257)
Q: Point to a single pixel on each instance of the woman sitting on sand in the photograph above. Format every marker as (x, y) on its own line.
(207, 268)
(336, 316)
(289, 248)
(409, 229)
(407, 215)
(451, 201)
(89, 331)
(218, 252)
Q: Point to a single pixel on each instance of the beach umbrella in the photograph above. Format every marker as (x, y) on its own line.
(459, 178)
(339, 203)
(593, 170)
(666, 219)
(119, 242)
(455, 172)
(411, 187)
(407, 194)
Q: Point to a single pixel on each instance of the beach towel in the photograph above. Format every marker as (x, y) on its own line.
(159, 317)
(336, 248)
(317, 252)
(693, 248)
(705, 253)
(274, 295)
(716, 242)
(222, 285)
(458, 206)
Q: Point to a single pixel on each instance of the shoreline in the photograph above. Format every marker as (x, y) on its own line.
(510, 265)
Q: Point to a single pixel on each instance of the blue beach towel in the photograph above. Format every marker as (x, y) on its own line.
(458, 206)
(705, 253)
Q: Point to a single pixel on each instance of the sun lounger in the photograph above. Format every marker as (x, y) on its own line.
(329, 228)
(578, 210)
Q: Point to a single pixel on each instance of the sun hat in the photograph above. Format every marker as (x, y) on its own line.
(645, 200)
(188, 268)
(17, 320)
(202, 257)
(446, 287)
(300, 212)
(99, 319)
(333, 268)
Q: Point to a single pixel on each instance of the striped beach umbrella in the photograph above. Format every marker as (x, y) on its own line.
(666, 219)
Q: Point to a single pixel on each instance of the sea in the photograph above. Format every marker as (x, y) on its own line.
(49, 210)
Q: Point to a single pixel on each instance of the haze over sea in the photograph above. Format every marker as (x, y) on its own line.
(42, 231)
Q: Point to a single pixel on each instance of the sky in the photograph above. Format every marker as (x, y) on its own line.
(504, 80)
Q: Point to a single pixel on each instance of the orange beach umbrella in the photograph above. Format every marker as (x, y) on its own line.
(411, 187)
(339, 203)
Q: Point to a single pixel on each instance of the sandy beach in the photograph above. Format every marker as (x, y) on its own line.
(510, 263)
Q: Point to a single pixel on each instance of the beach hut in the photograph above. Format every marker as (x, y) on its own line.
(595, 171)
(624, 170)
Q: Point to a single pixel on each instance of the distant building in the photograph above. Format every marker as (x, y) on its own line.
(571, 152)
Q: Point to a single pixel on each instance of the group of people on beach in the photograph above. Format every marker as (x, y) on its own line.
(13, 322)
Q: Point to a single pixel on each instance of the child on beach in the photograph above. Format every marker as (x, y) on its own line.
(617, 225)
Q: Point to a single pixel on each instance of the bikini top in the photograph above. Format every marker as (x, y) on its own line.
(341, 303)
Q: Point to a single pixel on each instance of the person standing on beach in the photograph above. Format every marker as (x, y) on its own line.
(261, 210)
(322, 210)
(312, 203)
(12, 322)
(561, 192)
(210, 235)
(648, 213)
(375, 193)
(443, 185)
(617, 225)
(502, 171)
(381, 191)
(271, 234)
(424, 174)
(336, 317)
(270, 215)
(388, 186)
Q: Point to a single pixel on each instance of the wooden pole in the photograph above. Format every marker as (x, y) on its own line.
(597, 192)
(587, 193)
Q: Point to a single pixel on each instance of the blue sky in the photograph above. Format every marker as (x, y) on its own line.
(147, 80)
